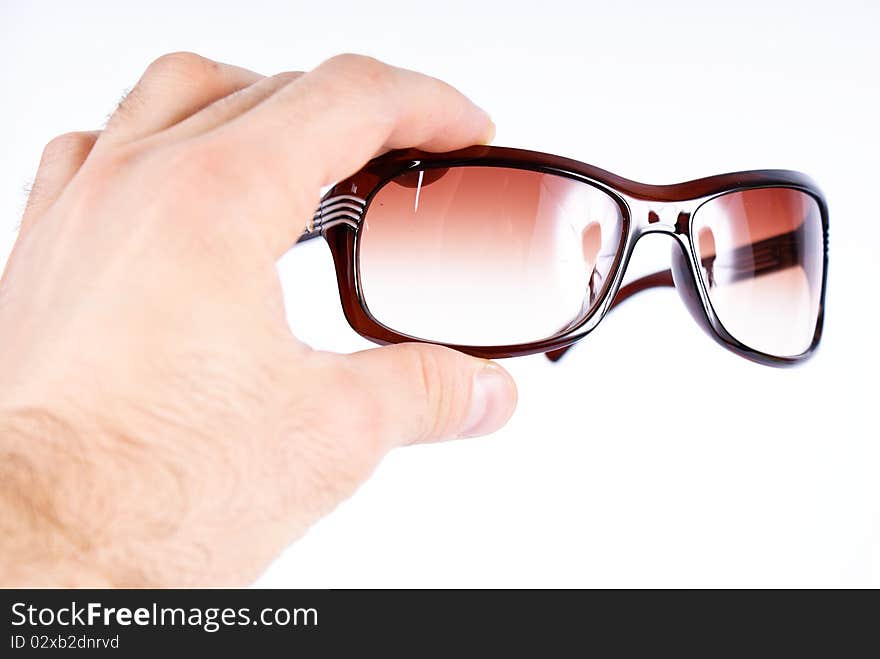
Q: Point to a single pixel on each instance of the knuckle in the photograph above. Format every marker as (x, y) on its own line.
(362, 70)
(181, 64)
(442, 397)
(286, 77)
(68, 144)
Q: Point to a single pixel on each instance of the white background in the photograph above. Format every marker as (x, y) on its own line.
(649, 456)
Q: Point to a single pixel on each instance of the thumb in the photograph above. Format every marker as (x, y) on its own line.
(428, 393)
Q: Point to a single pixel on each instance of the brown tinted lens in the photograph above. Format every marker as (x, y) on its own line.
(761, 256)
(486, 256)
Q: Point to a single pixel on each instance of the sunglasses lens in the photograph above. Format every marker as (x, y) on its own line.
(761, 255)
(486, 256)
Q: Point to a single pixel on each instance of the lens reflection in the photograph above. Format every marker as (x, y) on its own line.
(761, 255)
(486, 256)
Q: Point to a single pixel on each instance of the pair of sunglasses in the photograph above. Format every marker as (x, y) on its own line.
(501, 252)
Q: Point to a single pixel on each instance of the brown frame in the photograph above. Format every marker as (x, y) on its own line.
(643, 205)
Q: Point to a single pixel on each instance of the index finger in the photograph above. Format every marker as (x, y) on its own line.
(328, 123)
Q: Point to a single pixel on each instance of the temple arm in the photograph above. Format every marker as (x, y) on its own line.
(313, 228)
(655, 280)
(308, 235)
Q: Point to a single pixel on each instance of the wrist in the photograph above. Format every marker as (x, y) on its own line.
(37, 545)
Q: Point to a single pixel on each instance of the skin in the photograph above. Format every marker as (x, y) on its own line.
(159, 423)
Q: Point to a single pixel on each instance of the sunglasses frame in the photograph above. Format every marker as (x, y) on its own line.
(645, 209)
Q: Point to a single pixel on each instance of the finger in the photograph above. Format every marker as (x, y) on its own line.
(172, 88)
(327, 124)
(427, 393)
(352, 106)
(61, 160)
(229, 107)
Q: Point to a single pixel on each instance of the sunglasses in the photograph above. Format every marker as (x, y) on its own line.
(501, 252)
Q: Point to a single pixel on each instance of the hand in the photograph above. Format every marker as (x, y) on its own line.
(159, 424)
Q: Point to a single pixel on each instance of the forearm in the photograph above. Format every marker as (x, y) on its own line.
(37, 545)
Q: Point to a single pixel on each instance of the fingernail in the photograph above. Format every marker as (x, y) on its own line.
(492, 401)
(490, 131)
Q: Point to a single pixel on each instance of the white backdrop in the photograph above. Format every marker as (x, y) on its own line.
(649, 456)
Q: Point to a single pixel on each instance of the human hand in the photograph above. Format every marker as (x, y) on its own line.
(159, 424)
